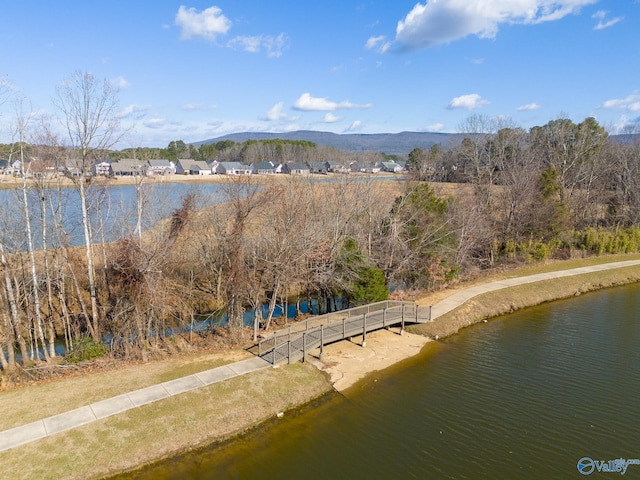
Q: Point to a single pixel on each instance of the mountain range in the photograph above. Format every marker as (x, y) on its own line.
(390, 143)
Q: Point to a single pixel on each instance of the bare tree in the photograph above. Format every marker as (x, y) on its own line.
(89, 114)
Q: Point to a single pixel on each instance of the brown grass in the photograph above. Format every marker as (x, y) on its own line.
(33, 402)
(165, 428)
(508, 300)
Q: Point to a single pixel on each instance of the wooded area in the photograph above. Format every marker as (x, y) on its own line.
(503, 195)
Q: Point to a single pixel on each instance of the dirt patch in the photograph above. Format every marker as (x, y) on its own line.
(347, 362)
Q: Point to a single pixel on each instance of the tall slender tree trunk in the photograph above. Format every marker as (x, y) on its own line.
(47, 274)
(13, 306)
(91, 272)
(34, 274)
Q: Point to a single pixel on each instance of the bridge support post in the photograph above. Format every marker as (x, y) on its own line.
(304, 346)
(289, 352)
(321, 341)
(364, 331)
(402, 320)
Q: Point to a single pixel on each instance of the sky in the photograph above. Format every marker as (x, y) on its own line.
(202, 69)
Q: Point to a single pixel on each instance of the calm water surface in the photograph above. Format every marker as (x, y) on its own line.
(523, 396)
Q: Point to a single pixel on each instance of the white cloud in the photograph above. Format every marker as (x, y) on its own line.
(601, 16)
(470, 102)
(436, 127)
(308, 103)
(443, 21)
(275, 113)
(374, 41)
(255, 44)
(192, 107)
(120, 83)
(331, 118)
(133, 111)
(156, 123)
(354, 127)
(208, 24)
(631, 103)
(528, 107)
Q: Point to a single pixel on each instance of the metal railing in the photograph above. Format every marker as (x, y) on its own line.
(293, 343)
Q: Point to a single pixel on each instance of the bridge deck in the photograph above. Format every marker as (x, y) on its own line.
(292, 344)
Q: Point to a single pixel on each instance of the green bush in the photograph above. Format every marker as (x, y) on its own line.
(85, 349)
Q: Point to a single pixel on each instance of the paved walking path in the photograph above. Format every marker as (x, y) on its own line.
(121, 403)
(457, 299)
(111, 406)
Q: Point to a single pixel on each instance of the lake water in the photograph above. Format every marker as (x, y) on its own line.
(118, 205)
(524, 396)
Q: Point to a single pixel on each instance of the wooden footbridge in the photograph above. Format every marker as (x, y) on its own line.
(295, 342)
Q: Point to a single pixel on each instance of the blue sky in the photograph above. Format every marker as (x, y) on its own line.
(202, 69)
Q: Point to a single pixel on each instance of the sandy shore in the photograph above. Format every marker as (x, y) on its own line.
(347, 362)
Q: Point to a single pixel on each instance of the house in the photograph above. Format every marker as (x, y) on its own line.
(128, 167)
(8, 167)
(103, 168)
(364, 167)
(160, 167)
(39, 168)
(188, 166)
(233, 168)
(298, 168)
(73, 167)
(264, 168)
(318, 167)
(336, 167)
(391, 167)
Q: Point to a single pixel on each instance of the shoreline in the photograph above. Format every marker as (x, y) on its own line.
(131, 441)
(347, 363)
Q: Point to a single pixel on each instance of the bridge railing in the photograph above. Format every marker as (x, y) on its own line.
(293, 343)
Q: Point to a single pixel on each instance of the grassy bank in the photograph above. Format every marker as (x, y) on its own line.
(215, 413)
(508, 300)
(164, 428)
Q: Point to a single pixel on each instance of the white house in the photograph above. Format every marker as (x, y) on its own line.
(232, 168)
(188, 166)
(160, 167)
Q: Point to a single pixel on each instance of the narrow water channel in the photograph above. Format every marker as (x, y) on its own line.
(524, 396)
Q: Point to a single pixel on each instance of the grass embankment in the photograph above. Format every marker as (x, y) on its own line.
(220, 411)
(510, 299)
(151, 432)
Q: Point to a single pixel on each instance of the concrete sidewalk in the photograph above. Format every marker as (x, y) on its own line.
(459, 298)
(80, 416)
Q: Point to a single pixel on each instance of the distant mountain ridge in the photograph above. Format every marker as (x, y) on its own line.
(390, 143)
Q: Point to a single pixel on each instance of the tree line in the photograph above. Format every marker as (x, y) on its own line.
(504, 194)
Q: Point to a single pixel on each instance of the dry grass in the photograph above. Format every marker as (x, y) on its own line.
(165, 428)
(508, 300)
(34, 402)
(520, 270)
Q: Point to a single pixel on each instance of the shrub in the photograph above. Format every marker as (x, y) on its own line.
(85, 349)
